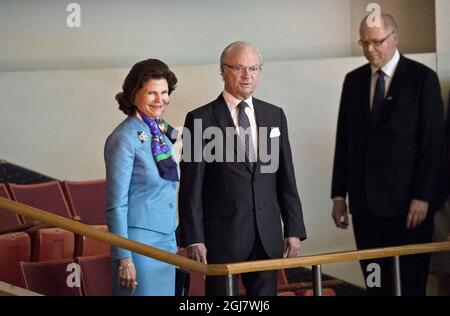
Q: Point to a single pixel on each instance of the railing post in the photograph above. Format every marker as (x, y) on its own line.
(317, 280)
(397, 284)
(229, 285)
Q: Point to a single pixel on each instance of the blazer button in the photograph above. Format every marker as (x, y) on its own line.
(172, 205)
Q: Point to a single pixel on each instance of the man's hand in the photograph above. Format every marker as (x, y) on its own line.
(291, 247)
(417, 213)
(340, 214)
(197, 252)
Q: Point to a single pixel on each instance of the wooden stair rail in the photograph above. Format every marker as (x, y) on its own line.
(327, 258)
(112, 239)
(217, 269)
(7, 289)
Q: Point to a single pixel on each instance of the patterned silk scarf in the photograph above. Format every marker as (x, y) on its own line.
(162, 154)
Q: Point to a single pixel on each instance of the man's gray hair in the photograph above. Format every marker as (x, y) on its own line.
(234, 45)
(388, 21)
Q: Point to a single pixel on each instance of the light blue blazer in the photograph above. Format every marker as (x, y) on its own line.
(137, 196)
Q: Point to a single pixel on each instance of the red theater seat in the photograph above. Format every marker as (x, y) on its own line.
(7, 218)
(87, 199)
(310, 292)
(53, 278)
(96, 275)
(196, 284)
(14, 248)
(281, 280)
(53, 244)
(85, 246)
(48, 243)
(47, 196)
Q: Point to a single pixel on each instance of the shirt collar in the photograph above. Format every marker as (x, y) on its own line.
(390, 67)
(232, 102)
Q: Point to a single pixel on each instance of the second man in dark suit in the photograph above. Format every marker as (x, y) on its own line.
(388, 155)
(231, 210)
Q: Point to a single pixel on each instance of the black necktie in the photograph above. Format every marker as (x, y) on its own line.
(379, 95)
(245, 132)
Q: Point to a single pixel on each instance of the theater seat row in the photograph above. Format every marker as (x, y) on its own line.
(88, 276)
(83, 200)
(27, 258)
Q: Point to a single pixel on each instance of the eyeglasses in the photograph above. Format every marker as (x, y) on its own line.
(238, 69)
(375, 43)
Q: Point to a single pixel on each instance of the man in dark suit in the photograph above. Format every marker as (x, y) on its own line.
(447, 141)
(440, 261)
(388, 155)
(231, 208)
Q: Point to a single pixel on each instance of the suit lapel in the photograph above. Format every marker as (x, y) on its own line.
(224, 121)
(222, 114)
(393, 92)
(365, 94)
(262, 121)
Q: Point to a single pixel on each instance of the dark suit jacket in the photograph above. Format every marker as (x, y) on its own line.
(225, 204)
(447, 151)
(382, 166)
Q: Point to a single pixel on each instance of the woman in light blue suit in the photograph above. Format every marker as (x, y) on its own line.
(142, 178)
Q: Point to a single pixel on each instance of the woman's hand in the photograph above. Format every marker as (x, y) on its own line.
(127, 274)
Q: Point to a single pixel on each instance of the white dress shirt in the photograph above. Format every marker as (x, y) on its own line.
(232, 103)
(389, 70)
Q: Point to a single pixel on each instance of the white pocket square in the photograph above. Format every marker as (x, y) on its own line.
(275, 132)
